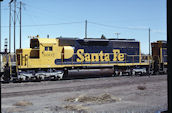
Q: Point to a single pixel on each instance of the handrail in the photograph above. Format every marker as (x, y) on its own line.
(24, 60)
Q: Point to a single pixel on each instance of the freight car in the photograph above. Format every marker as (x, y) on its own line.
(54, 58)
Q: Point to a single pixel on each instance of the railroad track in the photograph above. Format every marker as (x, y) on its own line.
(111, 83)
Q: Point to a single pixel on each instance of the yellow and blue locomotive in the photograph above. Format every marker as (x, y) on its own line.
(53, 58)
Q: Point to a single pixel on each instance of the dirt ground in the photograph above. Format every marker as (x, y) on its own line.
(94, 95)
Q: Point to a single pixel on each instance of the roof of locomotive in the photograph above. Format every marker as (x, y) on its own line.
(47, 40)
(66, 41)
(95, 39)
(160, 41)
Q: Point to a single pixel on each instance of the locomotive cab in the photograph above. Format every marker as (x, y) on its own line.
(41, 51)
(24, 54)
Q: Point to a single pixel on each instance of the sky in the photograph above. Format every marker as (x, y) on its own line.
(66, 18)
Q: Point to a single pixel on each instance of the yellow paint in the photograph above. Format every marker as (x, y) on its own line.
(107, 57)
(87, 57)
(47, 41)
(139, 53)
(121, 57)
(68, 52)
(94, 57)
(101, 56)
(117, 56)
(45, 59)
(81, 57)
(161, 55)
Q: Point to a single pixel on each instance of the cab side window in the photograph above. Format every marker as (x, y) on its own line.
(48, 48)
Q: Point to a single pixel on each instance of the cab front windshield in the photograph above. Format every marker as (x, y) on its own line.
(34, 44)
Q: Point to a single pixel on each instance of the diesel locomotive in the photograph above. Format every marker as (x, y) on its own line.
(49, 58)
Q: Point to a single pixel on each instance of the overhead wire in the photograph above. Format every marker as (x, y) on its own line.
(129, 28)
(35, 25)
(81, 22)
(43, 11)
(112, 26)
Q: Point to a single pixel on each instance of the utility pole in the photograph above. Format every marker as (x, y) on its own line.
(10, 27)
(149, 41)
(14, 26)
(20, 23)
(0, 34)
(149, 50)
(85, 28)
(117, 34)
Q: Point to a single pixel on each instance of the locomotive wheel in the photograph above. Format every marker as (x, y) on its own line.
(52, 78)
(36, 79)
